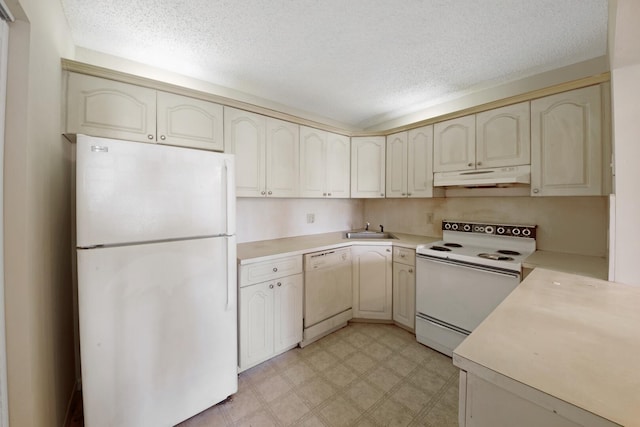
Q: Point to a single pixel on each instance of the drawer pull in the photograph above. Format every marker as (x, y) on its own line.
(271, 286)
(275, 269)
(279, 284)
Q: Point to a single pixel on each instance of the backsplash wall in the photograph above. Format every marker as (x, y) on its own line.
(264, 218)
(565, 224)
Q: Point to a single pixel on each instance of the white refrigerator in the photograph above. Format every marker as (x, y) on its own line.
(157, 293)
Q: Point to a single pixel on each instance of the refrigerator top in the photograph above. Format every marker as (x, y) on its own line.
(131, 192)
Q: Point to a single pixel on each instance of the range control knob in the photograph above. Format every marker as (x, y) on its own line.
(447, 226)
(466, 227)
(454, 226)
(526, 232)
(500, 230)
(488, 229)
(515, 231)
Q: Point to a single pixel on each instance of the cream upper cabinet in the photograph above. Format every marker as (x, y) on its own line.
(503, 137)
(368, 167)
(101, 107)
(283, 159)
(266, 153)
(491, 139)
(454, 145)
(396, 171)
(189, 122)
(372, 282)
(244, 135)
(110, 109)
(324, 164)
(567, 144)
(410, 164)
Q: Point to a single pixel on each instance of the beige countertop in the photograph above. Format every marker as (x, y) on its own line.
(264, 250)
(269, 249)
(584, 265)
(571, 337)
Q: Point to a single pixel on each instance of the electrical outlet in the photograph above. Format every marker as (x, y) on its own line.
(311, 218)
(429, 217)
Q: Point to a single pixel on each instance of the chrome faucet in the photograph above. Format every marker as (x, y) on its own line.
(381, 228)
(366, 227)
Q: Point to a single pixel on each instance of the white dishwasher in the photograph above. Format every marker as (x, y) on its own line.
(327, 293)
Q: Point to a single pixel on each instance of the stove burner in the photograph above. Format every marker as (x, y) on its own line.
(440, 248)
(508, 252)
(495, 257)
(453, 245)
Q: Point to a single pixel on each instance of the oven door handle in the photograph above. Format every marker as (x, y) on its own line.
(473, 266)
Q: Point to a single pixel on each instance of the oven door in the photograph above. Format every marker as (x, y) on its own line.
(459, 294)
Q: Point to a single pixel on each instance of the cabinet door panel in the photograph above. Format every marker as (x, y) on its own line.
(368, 167)
(256, 324)
(313, 162)
(100, 107)
(287, 312)
(245, 137)
(404, 294)
(338, 166)
(420, 162)
(566, 132)
(454, 144)
(189, 122)
(503, 136)
(372, 282)
(396, 172)
(282, 158)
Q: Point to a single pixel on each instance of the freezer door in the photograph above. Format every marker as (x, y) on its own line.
(158, 330)
(133, 192)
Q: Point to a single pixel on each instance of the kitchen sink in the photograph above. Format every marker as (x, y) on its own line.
(367, 234)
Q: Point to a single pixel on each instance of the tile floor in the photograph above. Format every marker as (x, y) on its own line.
(362, 375)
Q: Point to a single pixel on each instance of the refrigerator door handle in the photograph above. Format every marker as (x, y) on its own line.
(230, 195)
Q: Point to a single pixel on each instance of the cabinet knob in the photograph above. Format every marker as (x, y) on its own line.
(324, 194)
(270, 192)
(263, 192)
(275, 269)
(469, 164)
(404, 194)
(479, 163)
(271, 286)
(328, 194)
(408, 194)
(279, 284)
(150, 136)
(381, 194)
(411, 270)
(162, 137)
(401, 255)
(388, 250)
(535, 190)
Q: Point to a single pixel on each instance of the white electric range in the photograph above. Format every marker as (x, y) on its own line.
(464, 277)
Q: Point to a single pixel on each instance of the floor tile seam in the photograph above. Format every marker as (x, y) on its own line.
(388, 395)
(263, 404)
(433, 401)
(225, 415)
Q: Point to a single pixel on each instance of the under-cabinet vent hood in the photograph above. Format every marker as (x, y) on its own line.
(496, 177)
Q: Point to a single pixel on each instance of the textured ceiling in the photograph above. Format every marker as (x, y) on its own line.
(353, 61)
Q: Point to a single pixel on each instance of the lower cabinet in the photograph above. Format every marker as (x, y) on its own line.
(500, 401)
(270, 319)
(404, 287)
(372, 282)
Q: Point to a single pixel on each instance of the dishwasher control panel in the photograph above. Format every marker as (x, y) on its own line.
(326, 259)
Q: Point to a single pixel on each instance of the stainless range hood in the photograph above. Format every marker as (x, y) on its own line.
(495, 177)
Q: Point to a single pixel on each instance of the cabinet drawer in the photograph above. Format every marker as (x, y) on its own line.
(269, 270)
(404, 256)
